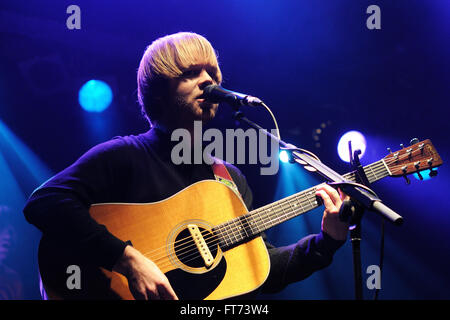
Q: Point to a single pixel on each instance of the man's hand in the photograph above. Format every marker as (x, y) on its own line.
(145, 279)
(332, 200)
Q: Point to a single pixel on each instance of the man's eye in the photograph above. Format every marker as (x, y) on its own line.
(190, 73)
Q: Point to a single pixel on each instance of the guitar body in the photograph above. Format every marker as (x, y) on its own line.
(159, 230)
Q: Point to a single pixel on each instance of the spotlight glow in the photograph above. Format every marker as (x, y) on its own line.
(95, 96)
(284, 157)
(358, 142)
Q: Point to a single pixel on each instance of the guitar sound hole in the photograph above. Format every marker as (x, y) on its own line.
(186, 249)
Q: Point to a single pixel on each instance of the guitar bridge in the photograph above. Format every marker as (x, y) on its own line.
(201, 245)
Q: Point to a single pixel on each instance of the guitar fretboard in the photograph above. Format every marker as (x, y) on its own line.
(247, 226)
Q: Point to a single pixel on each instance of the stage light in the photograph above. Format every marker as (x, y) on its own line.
(284, 157)
(95, 96)
(358, 142)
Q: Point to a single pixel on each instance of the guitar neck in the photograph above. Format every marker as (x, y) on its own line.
(247, 226)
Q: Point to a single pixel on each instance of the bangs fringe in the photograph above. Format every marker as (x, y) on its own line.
(169, 56)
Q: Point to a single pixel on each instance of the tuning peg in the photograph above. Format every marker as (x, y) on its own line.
(433, 173)
(419, 175)
(407, 180)
(401, 145)
(389, 150)
(413, 141)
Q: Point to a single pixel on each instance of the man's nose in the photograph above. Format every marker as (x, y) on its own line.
(205, 79)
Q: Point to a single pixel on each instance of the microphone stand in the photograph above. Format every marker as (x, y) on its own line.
(352, 209)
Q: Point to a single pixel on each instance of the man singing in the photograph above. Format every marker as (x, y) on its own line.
(172, 75)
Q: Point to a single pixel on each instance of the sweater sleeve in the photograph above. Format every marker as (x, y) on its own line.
(294, 262)
(299, 260)
(60, 207)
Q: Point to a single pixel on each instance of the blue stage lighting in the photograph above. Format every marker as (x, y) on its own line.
(284, 157)
(358, 142)
(425, 174)
(95, 96)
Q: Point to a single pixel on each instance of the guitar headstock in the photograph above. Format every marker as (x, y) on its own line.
(417, 157)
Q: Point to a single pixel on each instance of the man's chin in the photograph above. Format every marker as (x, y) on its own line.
(208, 111)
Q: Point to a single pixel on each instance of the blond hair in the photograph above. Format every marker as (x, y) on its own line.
(167, 58)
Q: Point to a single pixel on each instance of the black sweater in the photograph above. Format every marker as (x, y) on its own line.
(138, 169)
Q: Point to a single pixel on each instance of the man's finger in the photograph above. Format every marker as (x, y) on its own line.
(153, 293)
(343, 195)
(137, 294)
(332, 193)
(329, 205)
(166, 292)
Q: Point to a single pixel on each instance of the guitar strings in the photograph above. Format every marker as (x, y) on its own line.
(212, 235)
(301, 194)
(267, 215)
(196, 255)
(231, 228)
(194, 252)
(267, 218)
(378, 166)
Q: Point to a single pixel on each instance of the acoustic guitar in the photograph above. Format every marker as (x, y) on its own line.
(203, 238)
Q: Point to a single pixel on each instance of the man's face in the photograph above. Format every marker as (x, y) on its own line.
(186, 91)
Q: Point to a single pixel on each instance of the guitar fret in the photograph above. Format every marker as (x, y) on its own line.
(309, 200)
(229, 231)
(247, 224)
(233, 231)
(290, 205)
(373, 173)
(243, 227)
(296, 204)
(286, 211)
(380, 171)
(269, 215)
(259, 216)
(374, 169)
(284, 214)
(278, 216)
(301, 202)
(350, 176)
(254, 223)
(222, 234)
(225, 234)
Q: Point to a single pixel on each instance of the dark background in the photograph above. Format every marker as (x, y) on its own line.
(312, 62)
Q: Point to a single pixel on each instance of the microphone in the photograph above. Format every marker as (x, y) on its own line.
(216, 93)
